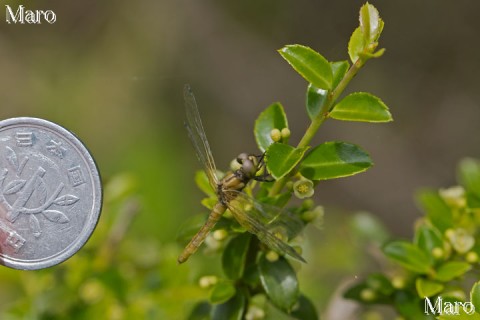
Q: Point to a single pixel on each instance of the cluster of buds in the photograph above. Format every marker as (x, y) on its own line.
(280, 135)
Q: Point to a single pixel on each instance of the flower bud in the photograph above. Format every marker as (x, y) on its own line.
(454, 196)
(207, 281)
(471, 257)
(437, 253)
(220, 234)
(285, 133)
(276, 135)
(398, 282)
(272, 256)
(289, 185)
(368, 295)
(255, 313)
(461, 240)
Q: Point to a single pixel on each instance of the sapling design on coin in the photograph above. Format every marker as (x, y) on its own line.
(50, 193)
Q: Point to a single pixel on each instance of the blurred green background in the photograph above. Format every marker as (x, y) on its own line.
(113, 73)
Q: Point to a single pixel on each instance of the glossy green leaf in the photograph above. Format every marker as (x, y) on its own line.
(469, 177)
(282, 158)
(438, 212)
(427, 288)
(311, 65)
(304, 309)
(427, 238)
(408, 255)
(201, 311)
(279, 281)
(203, 184)
(475, 295)
(451, 270)
(380, 283)
(361, 106)
(355, 293)
(234, 256)
(315, 99)
(370, 23)
(356, 44)
(233, 309)
(334, 160)
(271, 118)
(409, 305)
(339, 69)
(222, 292)
(209, 203)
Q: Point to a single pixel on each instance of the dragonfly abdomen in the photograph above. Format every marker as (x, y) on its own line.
(198, 239)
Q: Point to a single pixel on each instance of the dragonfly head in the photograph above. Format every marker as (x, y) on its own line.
(249, 164)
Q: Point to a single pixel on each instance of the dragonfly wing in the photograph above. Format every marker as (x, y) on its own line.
(250, 221)
(276, 219)
(198, 137)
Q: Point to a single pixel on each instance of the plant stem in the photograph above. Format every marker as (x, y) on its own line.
(319, 119)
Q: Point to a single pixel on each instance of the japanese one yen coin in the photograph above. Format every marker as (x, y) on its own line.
(50, 194)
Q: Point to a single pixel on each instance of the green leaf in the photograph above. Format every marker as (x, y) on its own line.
(201, 311)
(475, 295)
(356, 44)
(409, 305)
(408, 255)
(316, 98)
(334, 159)
(380, 283)
(451, 270)
(282, 158)
(271, 118)
(438, 212)
(427, 288)
(233, 309)
(203, 184)
(355, 293)
(469, 177)
(339, 69)
(279, 281)
(310, 64)
(222, 292)
(209, 203)
(427, 238)
(370, 23)
(304, 309)
(234, 256)
(361, 106)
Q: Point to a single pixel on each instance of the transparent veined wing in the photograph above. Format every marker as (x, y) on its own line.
(198, 137)
(265, 221)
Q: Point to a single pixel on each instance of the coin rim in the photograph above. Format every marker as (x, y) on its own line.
(94, 217)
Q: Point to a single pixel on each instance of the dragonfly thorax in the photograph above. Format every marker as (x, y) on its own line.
(238, 179)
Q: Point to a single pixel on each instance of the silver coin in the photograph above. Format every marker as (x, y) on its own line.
(50, 194)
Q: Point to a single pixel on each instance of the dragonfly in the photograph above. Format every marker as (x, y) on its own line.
(258, 218)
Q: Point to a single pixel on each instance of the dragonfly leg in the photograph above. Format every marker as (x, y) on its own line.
(265, 176)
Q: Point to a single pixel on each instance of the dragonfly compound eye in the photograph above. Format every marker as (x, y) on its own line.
(249, 168)
(242, 157)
